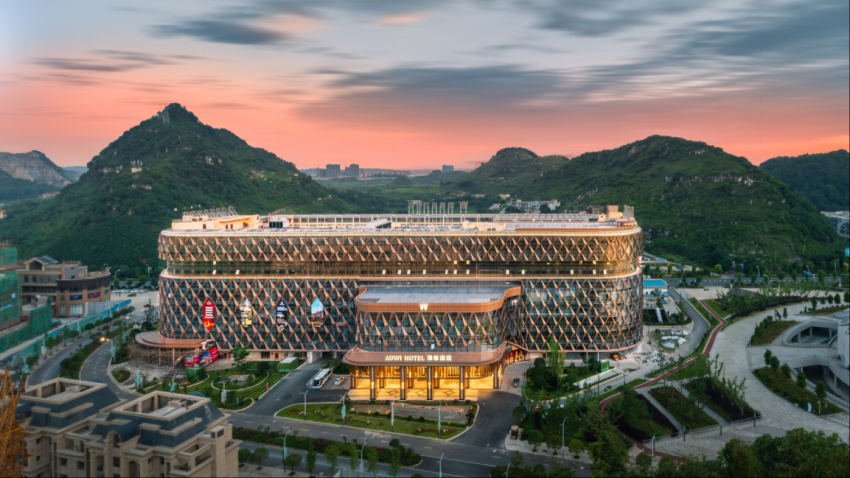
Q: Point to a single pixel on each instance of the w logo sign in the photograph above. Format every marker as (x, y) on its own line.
(423, 307)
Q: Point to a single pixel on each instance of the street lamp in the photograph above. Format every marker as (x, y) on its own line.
(149, 274)
(284, 445)
(508, 469)
(305, 403)
(439, 425)
(441, 463)
(562, 436)
(361, 454)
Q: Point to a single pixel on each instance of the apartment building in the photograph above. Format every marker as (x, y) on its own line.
(77, 428)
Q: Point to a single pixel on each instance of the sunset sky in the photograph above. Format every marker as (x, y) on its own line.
(420, 83)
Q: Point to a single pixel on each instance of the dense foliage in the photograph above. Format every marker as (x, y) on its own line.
(12, 189)
(823, 179)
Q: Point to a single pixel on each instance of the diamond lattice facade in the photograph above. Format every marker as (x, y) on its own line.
(477, 288)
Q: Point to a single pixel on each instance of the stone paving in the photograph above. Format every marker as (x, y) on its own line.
(731, 345)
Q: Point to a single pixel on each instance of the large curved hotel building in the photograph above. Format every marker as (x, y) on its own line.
(443, 301)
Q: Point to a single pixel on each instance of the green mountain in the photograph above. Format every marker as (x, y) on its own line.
(823, 179)
(694, 200)
(697, 201)
(74, 172)
(146, 178)
(12, 189)
(511, 170)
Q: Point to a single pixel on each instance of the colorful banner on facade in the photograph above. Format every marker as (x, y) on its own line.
(247, 313)
(191, 361)
(209, 314)
(214, 353)
(76, 297)
(282, 314)
(94, 295)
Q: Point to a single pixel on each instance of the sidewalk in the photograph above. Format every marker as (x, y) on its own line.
(524, 447)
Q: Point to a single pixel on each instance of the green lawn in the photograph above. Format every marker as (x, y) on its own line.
(788, 389)
(331, 413)
(686, 412)
(773, 331)
(717, 308)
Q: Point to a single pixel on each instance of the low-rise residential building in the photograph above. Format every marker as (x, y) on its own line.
(77, 428)
(69, 285)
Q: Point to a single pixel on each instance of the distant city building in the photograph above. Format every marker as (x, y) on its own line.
(2, 214)
(841, 221)
(69, 285)
(504, 196)
(448, 168)
(332, 170)
(78, 428)
(18, 321)
(478, 195)
(353, 171)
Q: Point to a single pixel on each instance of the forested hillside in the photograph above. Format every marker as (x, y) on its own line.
(12, 189)
(146, 178)
(823, 179)
(697, 201)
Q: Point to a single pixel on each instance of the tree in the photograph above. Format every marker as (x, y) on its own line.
(243, 455)
(239, 355)
(814, 302)
(786, 370)
(643, 462)
(535, 438)
(332, 457)
(292, 461)
(801, 379)
(394, 443)
(372, 459)
(555, 359)
(553, 441)
(263, 367)
(774, 363)
(311, 459)
(351, 448)
(259, 455)
(820, 390)
(576, 447)
(739, 459)
(767, 356)
(647, 271)
(821, 276)
(395, 462)
(718, 269)
(784, 313)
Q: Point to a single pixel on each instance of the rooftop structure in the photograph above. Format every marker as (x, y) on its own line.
(79, 428)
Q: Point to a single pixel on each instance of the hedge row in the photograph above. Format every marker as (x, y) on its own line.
(408, 456)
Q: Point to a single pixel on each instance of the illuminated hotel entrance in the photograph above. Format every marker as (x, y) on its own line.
(430, 342)
(424, 383)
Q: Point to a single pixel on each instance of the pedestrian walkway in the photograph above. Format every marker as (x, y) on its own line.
(716, 416)
(780, 413)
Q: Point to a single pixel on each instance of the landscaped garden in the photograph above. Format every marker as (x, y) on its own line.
(332, 413)
(685, 410)
(252, 384)
(707, 384)
(121, 375)
(779, 380)
(769, 329)
(638, 418)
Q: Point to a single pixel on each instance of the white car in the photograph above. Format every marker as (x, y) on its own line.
(339, 381)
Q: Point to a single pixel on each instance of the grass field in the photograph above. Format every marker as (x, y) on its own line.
(717, 308)
(331, 413)
(773, 330)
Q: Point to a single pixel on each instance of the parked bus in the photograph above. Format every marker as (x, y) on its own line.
(320, 378)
